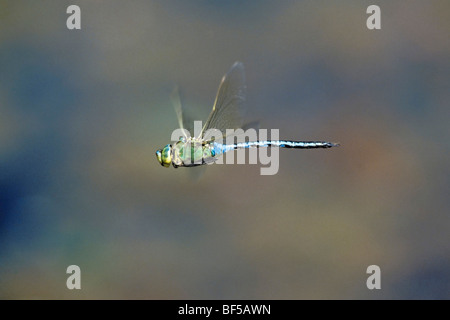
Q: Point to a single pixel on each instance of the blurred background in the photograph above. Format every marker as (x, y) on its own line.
(82, 113)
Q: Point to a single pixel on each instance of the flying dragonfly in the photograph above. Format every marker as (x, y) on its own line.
(227, 113)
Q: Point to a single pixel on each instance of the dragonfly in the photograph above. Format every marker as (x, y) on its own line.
(227, 113)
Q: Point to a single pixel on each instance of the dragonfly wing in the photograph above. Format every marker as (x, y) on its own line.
(249, 132)
(229, 107)
(184, 122)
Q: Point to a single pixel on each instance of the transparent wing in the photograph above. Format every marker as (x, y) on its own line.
(249, 132)
(183, 121)
(229, 107)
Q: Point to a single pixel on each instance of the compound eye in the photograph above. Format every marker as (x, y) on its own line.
(166, 156)
(159, 156)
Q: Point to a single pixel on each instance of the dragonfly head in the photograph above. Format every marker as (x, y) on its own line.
(164, 156)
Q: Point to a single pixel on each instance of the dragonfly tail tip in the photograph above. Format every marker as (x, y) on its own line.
(335, 144)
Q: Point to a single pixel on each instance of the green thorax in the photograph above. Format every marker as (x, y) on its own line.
(192, 152)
